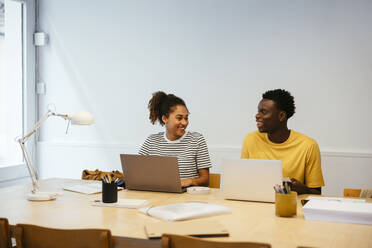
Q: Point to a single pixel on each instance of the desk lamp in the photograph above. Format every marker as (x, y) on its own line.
(80, 118)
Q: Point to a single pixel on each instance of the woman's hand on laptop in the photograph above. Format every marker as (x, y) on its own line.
(202, 180)
(186, 182)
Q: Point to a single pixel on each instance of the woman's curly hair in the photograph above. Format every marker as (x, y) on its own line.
(162, 104)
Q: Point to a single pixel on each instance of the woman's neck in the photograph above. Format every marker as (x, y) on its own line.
(172, 137)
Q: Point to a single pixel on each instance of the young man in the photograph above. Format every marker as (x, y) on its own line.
(299, 154)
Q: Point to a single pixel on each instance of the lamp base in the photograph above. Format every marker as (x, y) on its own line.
(42, 196)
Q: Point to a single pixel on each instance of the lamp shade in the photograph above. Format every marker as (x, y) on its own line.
(82, 118)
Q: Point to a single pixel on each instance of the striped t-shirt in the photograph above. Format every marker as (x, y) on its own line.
(191, 151)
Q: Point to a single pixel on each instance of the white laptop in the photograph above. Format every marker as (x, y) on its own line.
(250, 179)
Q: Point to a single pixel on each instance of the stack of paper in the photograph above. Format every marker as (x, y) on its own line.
(184, 211)
(338, 210)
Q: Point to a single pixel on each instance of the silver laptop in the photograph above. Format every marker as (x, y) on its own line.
(250, 179)
(151, 173)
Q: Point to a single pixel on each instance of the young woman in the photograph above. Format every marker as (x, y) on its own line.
(189, 147)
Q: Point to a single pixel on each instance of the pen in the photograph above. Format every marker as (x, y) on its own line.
(288, 189)
(109, 178)
(106, 179)
(284, 189)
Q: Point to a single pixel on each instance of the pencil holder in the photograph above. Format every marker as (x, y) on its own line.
(109, 192)
(286, 204)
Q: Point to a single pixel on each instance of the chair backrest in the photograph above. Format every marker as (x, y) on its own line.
(32, 236)
(5, 238)
(180, 241)
(352, 192)
(362, 193)
(214, 180)
(366, 193)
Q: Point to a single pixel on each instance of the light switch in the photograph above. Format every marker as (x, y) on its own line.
(40, 88)
(40, 39)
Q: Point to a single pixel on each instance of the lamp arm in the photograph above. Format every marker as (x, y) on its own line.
(22, 141)
(37, 126)
(34, 177)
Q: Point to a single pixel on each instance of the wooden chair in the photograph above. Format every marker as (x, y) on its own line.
(5, 238)
(362, 193)
(352, 192)
(180, 241)
(32, 236)
(214, 180)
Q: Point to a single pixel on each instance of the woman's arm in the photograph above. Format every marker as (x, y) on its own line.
(202, 180)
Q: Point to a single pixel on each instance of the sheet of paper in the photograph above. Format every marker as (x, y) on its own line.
(123, 203)
(86, 188)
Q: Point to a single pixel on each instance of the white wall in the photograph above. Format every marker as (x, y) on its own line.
(219, 56)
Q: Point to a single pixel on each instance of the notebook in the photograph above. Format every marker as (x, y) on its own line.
(151, 173)
(250, 179)
(203, 228)
(184, 211)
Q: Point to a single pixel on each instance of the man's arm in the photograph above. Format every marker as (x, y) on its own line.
(313, 171)
(301, 188)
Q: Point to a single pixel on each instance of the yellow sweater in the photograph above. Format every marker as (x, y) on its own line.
(299, 154)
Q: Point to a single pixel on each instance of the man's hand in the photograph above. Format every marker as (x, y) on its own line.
(301, 188)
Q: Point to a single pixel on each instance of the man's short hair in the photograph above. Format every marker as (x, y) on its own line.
(283, 99)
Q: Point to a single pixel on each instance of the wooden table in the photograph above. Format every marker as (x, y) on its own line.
(248, 221)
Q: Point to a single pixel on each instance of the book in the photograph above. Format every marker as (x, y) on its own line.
(198, 228)
(347, 211)
(123, 203)
(184, 211)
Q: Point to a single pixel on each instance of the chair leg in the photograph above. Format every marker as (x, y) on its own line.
(165, 242)
(5, 236)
